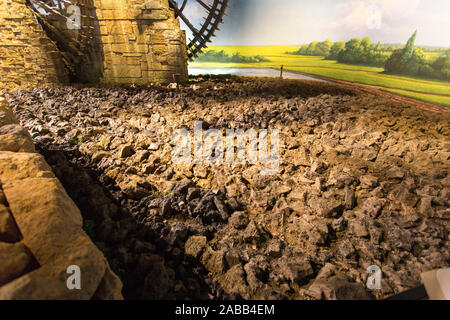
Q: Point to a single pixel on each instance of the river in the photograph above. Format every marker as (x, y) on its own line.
(253, 72)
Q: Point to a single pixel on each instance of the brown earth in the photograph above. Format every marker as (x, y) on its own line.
(363, 181)
(380, 92)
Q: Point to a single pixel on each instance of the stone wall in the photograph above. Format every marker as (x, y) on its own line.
(41, 231)
(141, 41)
(135, 41)
(28, 58)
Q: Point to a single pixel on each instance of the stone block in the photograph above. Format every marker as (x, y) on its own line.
(8, 227)
(16, 166)
(15, 138)
(14, 260)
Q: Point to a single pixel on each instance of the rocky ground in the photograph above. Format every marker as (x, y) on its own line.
(363, 181)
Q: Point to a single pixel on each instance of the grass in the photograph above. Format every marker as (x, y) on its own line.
(445, 101)
(433, 91)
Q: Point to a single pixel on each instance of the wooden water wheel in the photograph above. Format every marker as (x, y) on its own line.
(214, 11)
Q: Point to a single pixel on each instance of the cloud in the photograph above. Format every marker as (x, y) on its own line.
(355, 13)
(260, 22)
(381, 18)
(397, 20)
(194, 12)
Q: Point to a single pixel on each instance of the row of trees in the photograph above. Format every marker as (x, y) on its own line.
(222, 56)
(408, 59)
(315, 48)
(411, 60)
(355, 51)
(358, 51)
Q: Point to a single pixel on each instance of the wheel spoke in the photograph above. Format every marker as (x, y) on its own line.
(184, 5)
(201, 37)
(204, 5)
(188, 23)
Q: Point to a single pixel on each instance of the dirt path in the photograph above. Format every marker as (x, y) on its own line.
(379, 92)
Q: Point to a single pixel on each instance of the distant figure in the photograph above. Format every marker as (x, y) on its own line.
(281, 72)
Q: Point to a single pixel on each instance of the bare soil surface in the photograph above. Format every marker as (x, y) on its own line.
(363, 181)
(380, 92)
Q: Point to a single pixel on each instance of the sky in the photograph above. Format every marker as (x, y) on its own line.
(295, 22)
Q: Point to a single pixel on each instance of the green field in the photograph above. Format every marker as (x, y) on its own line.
(433, 91)
(443, 100)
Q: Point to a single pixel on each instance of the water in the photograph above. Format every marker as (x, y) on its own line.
(253, 72)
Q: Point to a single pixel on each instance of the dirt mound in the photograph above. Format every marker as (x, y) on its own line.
(363, 181)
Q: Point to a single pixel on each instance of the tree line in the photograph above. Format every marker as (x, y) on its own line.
(355, 51)
(396, 59)
(222, 56)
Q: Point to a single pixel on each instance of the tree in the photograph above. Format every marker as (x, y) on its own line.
(377, 47)
(441, 67)
(415, 63)
(312, 48)
(222, 56)
(409, 60)
(409, 48)
(365, 43)
(335, 50)
(323, 48)
(353, 52)
(396, 62)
